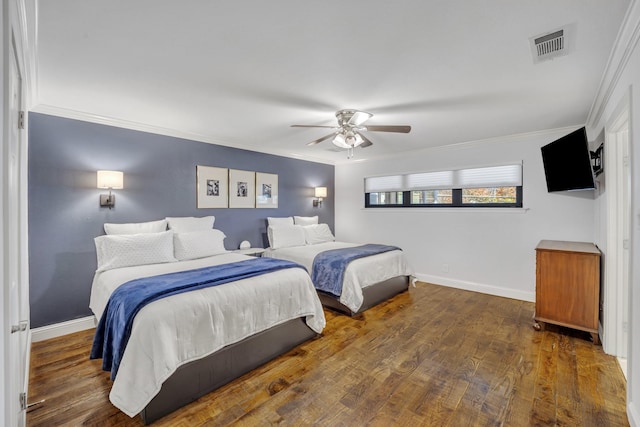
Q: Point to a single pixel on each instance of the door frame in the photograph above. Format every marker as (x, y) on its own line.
(615, 302)
(14, 38)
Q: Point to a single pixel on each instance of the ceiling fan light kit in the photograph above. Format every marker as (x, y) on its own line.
(347, 140)
(350, 124)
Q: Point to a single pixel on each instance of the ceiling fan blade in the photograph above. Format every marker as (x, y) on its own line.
(388, 128)
(359, 117)
(366, 142)
(313, 126)
(319, 140)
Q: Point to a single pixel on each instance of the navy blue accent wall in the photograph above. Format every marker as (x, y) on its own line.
(159, 181)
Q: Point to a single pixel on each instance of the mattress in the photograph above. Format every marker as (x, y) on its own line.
(360, 273)
(173, 331)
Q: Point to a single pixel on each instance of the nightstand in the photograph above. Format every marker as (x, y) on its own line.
(568, 285)
(257, 252)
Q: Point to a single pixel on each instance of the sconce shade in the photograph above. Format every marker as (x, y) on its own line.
(321, 191)
(111, 179)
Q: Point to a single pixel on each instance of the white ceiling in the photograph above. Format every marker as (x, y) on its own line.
(241, 72)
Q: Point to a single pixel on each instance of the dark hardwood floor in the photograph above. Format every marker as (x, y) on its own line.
(433, 356)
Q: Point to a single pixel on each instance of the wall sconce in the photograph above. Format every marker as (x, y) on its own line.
(321, 192)
(113, 180)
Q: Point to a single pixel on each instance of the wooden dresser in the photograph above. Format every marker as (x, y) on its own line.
(568, 285)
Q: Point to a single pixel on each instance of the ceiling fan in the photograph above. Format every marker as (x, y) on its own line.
(349, 130)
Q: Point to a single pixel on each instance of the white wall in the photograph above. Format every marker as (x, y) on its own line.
(626, 79)
(487, 250)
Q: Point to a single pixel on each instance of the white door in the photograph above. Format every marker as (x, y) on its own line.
(626, 239)
(14, 246)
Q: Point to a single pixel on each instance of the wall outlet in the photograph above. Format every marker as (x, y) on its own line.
(445, 268)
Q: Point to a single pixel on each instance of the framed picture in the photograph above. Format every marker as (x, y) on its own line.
(266, 190)
(211, 187)
(242, 189)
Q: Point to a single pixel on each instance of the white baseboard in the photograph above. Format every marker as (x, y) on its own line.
(622, 362)
(633, 415)
(477, 287)
(63, 328)
(76, 325)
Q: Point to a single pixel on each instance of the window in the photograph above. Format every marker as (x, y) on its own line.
(496, 186)
(431, 197)
(489, 195)
(387, 198)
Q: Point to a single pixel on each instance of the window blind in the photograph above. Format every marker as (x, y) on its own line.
(430, 180)
(496, 176)
(493, 176)
(379, 184)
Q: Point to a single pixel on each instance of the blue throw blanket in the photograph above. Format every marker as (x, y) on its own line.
(329, 266)
(114, 328)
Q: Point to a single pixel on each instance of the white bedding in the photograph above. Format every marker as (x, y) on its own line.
(173, 331)
(359, 274)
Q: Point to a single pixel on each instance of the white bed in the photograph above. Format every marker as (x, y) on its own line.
(360, 274)
(174, 331)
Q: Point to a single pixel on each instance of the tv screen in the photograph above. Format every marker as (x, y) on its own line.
(567, 163)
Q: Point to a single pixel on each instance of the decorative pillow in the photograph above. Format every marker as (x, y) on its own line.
(187, 224)
(305, 220)
(198, 244)
(285, 236)
(318, 233)
(277, 222)
(115, 251)
(136, 227)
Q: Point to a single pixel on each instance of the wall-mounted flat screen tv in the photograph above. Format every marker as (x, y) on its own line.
(567, 163)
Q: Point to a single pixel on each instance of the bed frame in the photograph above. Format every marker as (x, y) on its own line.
(197, 378)
(373, 295)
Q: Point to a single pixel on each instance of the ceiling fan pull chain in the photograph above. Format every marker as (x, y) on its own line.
(349, 152)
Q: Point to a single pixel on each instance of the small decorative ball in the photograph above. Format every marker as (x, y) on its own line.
(245, 244)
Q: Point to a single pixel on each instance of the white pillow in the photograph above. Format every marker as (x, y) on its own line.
(127, 250)
(187, 224)
(305, 220)
(277, 222)
(198, 244)
(136, 227)
(285, 236)
(318, 233)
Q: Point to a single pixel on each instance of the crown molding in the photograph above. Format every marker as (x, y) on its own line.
(158, 130)
(623, 48)
(506, 139)
(143, 127)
